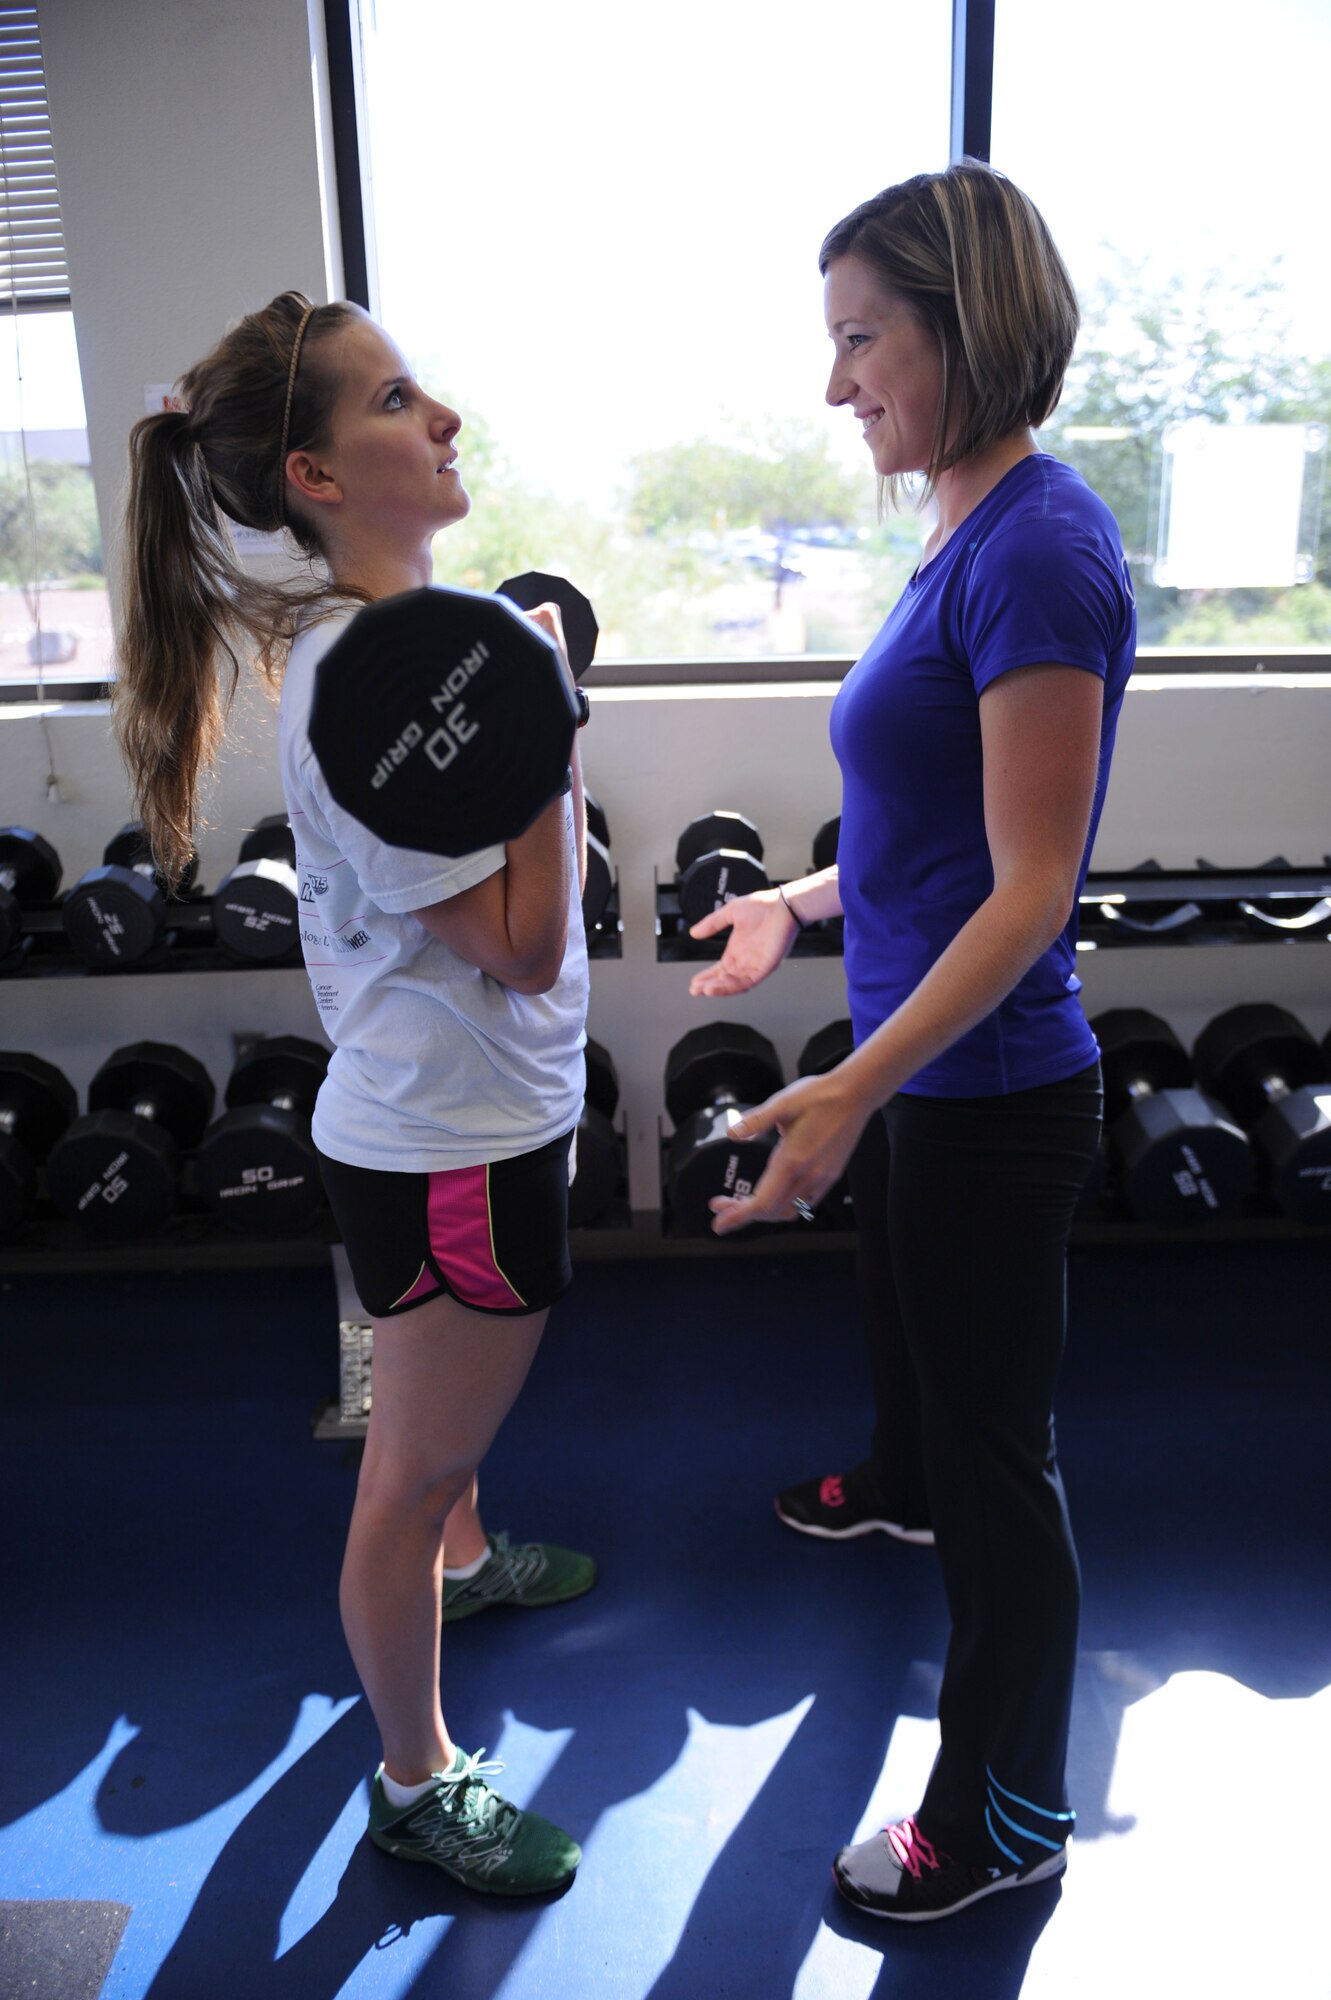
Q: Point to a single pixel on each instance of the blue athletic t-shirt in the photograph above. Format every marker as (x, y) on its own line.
(1035, 575)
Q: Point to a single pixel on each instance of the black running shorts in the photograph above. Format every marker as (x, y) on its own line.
(494, 1237)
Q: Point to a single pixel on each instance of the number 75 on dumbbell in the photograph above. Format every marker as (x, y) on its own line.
(443, 720)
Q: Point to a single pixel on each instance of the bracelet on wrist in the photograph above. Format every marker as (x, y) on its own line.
(799, 926)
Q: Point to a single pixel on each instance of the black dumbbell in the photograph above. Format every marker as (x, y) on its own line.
(581, 631)
(825, 844)
(444, 720)
(256, 908)
(718, 857)
(600, 869)
(37, 1104)
(118, 914)
(1179, 1156)
(600, 1156)
(117, 1170)
(825, 1050)
(29, 873)
(1262, 1062)
(713, 1075)
(257, 1167)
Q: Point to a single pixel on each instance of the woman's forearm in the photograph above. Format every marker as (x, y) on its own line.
(811, 898)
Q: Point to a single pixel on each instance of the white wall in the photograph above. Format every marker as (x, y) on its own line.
(188, 142)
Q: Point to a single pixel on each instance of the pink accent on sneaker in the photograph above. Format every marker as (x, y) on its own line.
(460, 1237)
(911, 1848)
(830, 1492)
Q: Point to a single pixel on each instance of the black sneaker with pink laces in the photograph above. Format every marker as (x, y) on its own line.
(844, 1504)
(898, 1873)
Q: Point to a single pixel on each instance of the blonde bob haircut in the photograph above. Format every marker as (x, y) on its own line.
(971, 256)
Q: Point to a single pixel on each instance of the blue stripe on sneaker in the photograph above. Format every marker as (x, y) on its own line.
(1024, 1831)
(1029, 1804)
(1001, 1845)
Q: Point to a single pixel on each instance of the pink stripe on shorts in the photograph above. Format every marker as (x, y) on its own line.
(461, 1239)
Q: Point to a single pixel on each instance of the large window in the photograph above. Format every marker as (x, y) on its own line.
(597, 231)
(55, 623)
(1179, 158)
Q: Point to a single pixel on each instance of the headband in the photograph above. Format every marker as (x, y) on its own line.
(306, 317)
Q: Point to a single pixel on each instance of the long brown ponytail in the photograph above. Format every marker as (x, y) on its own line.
(189, 613)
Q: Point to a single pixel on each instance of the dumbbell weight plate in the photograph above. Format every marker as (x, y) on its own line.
(714, 880)
(1181, 1159)
(602, 1088)
(443, 720)
(115, 1171)
(581, 631)
(600, 1155)
(714, 831)
(824, 1050)
(34, 867)
(258, 1170)
(709, 1073)
(37, 1104)
(256, 910)
(600, 1168)
(597, 822)
(1236, 1054)
(113, 916)
(600, 881)
(825, 843)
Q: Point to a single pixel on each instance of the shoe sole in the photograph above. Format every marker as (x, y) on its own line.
(1044, 1871)
(398, 1853)
(920, 1538)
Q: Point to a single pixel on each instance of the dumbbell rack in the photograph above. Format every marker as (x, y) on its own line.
(1274, 903)
(191, 945)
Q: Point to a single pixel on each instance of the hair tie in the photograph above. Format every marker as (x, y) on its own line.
(306, 317)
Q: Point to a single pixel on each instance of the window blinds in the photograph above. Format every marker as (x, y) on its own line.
(33, 276)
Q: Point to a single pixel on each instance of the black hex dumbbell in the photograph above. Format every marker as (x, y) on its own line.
(1178, 1155)
(118, 914)
(717, 858)
(600, 1171)
(29, 873)
(824, 1051)
(37, 1104)
(713, 1075)
(825, 843)
(117, 1170)
(257, 1167)
(1262, 1062)
(256, 908)
(600, 869)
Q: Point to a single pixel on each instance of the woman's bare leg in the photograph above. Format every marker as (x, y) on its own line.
(444, 1379)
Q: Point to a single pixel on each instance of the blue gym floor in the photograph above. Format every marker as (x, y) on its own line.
(186, 1751)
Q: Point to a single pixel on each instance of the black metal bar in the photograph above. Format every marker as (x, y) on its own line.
(338, 29)
(972, 78)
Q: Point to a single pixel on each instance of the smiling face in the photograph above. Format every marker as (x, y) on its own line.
(390, 466)
(888, 367)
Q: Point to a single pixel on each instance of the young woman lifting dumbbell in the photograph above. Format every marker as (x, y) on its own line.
(974, 738)
(454, 992)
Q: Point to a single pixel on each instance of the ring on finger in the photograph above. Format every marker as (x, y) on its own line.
(802, 1208)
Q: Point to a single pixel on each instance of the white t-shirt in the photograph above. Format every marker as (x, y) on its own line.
(435, 1063)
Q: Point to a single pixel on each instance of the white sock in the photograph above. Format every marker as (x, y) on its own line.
(403, 1796)
(468, 1569)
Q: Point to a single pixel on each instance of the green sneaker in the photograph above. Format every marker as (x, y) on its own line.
(522, 1573)
(465, 1828)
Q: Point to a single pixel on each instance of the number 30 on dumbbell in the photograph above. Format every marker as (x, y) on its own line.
(444, 720)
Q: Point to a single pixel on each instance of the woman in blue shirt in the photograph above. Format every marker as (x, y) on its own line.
(974, 738)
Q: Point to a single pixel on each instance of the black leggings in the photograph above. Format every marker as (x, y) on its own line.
(964, 1207)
